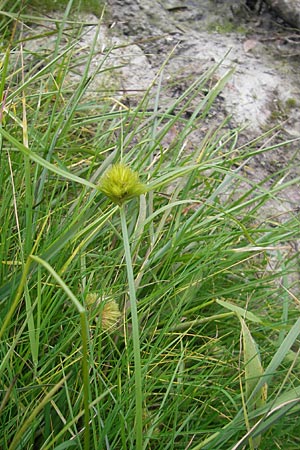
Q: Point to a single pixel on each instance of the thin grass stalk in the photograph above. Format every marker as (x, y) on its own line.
(7, 394)
(135, 335)
(8, 355)
(34, 342)
(285, 301)
(74, 420)
(17, 297)
(194, 323)
(20, 433)
(34, 345)
(85, 376)
(84, 338)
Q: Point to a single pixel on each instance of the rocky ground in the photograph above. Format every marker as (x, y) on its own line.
(264, 51)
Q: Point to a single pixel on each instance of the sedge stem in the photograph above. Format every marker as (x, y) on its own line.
(135, 335)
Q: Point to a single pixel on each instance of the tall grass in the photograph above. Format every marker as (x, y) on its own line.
(217, 313)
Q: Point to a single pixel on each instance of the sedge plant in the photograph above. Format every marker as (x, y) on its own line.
(209, 254)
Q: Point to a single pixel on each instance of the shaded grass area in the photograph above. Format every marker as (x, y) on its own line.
(202, 260)
(84, 6)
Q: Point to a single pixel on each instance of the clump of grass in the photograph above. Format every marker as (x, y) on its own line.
(202, 304)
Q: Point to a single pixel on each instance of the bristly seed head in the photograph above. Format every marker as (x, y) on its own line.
(109, 312)
(120, 183)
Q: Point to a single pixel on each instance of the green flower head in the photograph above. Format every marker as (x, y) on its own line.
(120, 183)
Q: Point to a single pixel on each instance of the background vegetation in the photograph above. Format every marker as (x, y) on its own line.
(213, 276)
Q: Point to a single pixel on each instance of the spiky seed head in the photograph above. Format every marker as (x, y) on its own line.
(109, 312)
(120, 183)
